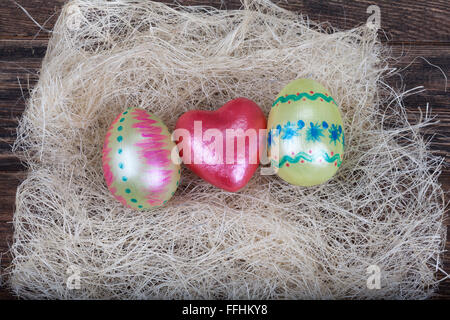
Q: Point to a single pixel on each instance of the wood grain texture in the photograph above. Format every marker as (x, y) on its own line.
(402, 20)
(417, 32)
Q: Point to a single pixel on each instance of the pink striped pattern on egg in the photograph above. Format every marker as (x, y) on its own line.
(152, 152)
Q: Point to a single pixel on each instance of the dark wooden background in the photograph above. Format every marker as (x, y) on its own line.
(417, 31)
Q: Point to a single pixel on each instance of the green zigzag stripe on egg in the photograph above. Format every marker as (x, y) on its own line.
(297, 158)
(296, 97)
(303, 155)
(335, 157)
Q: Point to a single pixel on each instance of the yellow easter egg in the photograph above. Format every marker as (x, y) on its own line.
(305, 134)
(137, 160)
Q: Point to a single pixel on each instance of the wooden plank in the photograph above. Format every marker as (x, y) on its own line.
(428, 67)
(16, 24)
(403, 20)
(9, 183)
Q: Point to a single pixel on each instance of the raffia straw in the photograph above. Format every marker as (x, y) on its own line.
(272, 239)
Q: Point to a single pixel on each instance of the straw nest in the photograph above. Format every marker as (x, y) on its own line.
(270, 240)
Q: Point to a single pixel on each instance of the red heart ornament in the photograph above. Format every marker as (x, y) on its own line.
(223, 147)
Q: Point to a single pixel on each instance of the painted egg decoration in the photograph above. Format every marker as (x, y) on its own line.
(137, 160)
(305, 134)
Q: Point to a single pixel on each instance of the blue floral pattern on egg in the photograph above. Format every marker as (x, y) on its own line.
(306, 135)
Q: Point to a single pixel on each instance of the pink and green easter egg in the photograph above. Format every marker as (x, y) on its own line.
(305, 134)
(137, 160)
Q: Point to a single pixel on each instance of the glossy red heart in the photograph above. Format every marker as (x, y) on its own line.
(223, 147)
